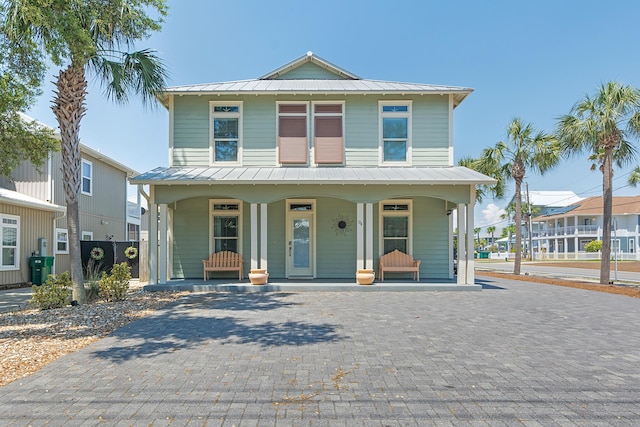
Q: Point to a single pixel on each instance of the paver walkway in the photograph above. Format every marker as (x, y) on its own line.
(516, 353)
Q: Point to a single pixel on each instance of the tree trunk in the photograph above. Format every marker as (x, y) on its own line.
(518, 227)
(607, 200)
(69, 108)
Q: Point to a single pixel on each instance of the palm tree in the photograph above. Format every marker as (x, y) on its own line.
(476, 231)
(525, 149)
(601, 125)
(88, 36)
(634, 178)
(491, 230)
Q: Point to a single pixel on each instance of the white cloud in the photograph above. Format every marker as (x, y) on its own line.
(491, 215)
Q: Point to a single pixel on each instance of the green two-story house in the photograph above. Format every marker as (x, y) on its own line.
(311, 172)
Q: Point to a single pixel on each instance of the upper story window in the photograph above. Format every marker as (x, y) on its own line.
(328, 127)
(293, 145)
(10, 242)
(225, 146)
(87, 177)
(395, 132)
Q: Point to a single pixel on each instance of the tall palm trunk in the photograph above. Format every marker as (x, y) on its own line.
(69, 108)
(518, 227)
(607, 200)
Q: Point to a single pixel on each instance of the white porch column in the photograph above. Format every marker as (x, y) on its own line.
(162, 256)
(263, 235)
(462, 245)
(470, 280)
(360, 236)
(153, 243)
(254, 235)
(369, 236)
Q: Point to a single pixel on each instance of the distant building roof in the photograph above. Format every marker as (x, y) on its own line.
(552, 199)
(622, 205)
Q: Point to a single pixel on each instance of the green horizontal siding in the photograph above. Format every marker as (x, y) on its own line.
(336, 251)
(430, 128)
(190, 237)
(309, 71)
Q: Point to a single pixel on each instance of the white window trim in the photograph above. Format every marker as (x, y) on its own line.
(16, 265)
(212, 143)
(306, 115)
(212, 214)
(382, 213)
(87, 233)
(90, 193)
(382, 115)
(56, 250)
(313, 130)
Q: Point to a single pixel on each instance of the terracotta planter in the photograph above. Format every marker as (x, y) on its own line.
(258, 276)
(365, 276)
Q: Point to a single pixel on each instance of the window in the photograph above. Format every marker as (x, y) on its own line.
(87, 177)
(10, 248)
(87, 235)
(226, 219)
(395, 224)
(62, 241)
(226, 132)
(328, 131)
(292, 133)
(133, 232)
(395, 132)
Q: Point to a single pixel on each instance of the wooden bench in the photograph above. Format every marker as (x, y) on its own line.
(223, 261)
(398, 262)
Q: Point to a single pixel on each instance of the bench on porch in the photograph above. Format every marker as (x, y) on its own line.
(223, 261)
(398, 262)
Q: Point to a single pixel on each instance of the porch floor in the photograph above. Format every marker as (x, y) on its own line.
(317, 285)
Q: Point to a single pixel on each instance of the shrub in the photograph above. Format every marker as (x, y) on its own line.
(114, 286)
(593, 246)
(55, 293)
(92, 280)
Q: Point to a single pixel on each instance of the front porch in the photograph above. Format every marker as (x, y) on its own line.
(313, 285)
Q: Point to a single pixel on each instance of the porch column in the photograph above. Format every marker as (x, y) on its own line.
(153, 243)
(462, 245)
(162, 256)
(369, 236)
(263, 235)
(360, 236)
(470, 280)
(254, 235)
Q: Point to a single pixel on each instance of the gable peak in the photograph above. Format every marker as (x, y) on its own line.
(310, 57)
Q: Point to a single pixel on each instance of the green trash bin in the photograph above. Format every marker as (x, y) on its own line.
(484, 255)
(40, 268)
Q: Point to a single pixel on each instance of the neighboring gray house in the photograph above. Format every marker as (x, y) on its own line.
(32, 208)
(310, 172)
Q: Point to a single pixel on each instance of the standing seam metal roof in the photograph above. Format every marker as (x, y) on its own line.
(304, 175)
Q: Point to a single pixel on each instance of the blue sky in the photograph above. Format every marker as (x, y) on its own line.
(532, 60)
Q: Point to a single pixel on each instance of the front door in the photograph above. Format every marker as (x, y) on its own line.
(300, 245)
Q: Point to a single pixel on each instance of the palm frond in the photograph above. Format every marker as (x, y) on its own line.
(122, 74)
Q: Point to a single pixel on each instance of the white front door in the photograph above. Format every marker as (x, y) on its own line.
(300, 242)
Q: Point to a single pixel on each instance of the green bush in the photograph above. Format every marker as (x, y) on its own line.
(114, 286)
(92, 280)
(593, 246)
(55, 293)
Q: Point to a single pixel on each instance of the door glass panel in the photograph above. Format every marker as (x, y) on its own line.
(301, 243)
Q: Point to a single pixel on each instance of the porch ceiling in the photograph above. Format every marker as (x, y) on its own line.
(454, 175)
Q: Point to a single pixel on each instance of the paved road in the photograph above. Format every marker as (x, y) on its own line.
(562, 272)
(517, 353)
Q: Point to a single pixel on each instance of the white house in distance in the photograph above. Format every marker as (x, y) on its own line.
(564, 232)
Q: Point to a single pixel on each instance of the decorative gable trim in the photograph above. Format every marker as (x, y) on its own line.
(309, 57)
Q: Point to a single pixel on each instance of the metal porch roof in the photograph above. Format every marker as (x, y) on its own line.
(454, 175)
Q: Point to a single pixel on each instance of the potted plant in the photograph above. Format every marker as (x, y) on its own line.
(365, 276)
(258, 276)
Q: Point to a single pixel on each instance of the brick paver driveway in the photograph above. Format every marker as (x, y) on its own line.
(516, 353)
